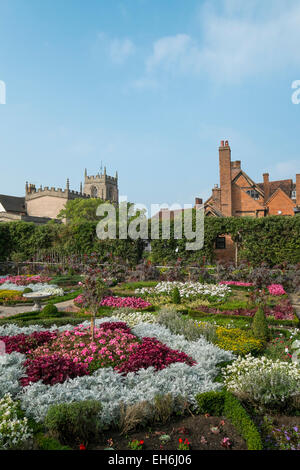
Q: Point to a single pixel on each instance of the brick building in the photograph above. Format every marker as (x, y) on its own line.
(238, 195)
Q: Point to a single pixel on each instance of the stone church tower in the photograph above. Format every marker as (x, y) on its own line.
(102, 186)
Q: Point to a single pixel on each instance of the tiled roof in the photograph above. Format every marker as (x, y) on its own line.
(12, 203)
(285, 185)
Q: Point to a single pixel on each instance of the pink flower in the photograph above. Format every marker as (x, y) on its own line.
(276, 289)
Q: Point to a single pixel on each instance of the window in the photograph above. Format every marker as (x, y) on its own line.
(93, 191)
(220, 243)
(253, 193)
(294, 194)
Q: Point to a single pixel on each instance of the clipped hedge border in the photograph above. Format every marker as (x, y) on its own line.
(47, 322)
(223, 403)
(272, 321)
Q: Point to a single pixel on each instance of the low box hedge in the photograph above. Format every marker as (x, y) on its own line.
(223, 403)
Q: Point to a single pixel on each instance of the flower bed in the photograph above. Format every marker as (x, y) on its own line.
(55, 358)
(13, 430)
(134, 318)
(181, 368)
(116, 302)
(25, 343)
(188, 290)
(119, 302)
(238, 341)
(236, 283)
(274, 289)
(263, 382)
(281, 311)
(24, 280)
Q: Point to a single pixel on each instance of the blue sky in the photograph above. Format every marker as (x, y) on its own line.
(149, 87)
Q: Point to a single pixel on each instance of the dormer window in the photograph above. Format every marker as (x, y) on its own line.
(253, 193)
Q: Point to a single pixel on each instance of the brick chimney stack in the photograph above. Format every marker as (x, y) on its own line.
(198, 201)
(225, 178)
(266, 186)
(236, 165)
(298, 189)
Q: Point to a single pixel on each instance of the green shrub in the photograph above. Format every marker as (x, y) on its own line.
(260, 325)
(46, 322)
(176, 299)
(211, 402)
(73, 423)
(49, 310)
(27, 290)
(235, 412)
(223, 403)
(185, 326)
(48, 443)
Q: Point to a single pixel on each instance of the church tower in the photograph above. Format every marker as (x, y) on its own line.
(102, 186)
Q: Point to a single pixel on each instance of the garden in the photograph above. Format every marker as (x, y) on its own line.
(151, 358)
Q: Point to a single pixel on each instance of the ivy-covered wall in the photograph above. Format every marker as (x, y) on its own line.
(272, 240)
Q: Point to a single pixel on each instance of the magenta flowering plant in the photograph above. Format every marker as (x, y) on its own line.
(130, 302)
(152, 353)
(52, 370)
(112, 345)
(115, 302)
(25, 343)
(276, 289)
(236, 283)
(24, 280)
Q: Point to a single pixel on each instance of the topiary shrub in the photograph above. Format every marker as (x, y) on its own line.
(260, 326)
(49, 310)
(27, 290)
(176, 299)
(73, 423)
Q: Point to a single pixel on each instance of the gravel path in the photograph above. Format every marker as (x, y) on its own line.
(11, 311)
(295, 300)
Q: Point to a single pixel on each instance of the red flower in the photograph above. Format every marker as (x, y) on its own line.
(82, 447)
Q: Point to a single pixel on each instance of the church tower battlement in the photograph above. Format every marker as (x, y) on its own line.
(102, 186)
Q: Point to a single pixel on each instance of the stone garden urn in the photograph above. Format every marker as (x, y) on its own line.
(37, 298)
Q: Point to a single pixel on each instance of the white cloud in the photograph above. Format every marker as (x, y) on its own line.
(145, 83)
(117, 49)
(238, 39)
(170, 51)
(120, 50)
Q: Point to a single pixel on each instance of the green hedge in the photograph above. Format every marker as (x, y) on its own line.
(27, 238)
(217, 316)
(224, 403)
(47, 322)
(273, 240)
